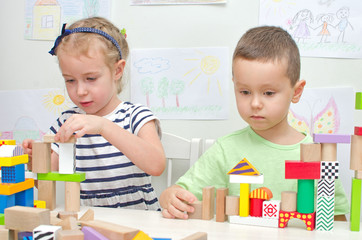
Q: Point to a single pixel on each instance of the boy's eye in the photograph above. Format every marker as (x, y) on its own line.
(269, 93)
(69, 80)
(244, 92)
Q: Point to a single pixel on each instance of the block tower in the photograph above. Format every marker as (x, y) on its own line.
(15, 189)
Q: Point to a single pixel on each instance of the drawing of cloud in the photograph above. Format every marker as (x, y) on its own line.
(152, 65)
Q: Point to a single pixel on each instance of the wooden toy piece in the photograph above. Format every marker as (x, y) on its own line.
(197, 214)
(7, 142)
(289, 201)
(2, 219)
(254, 221)
(111, 231)
(358, 105)
(329, 152)
(49, 138)
(41, 157)
(244, 167)
(302, 170)
(331, 138)
(72, 196)
(355, 204)
(246, 179)
(196, 236)
(325, 187)
(13, 174)
(329, 170)
(325, 213)
(55, 176)
(232, 205)
(70, 223)
(70, 235)
(142, 236)
(257, 197)
(305, 196)
(244, 203)
(66, 158)
(358, 131)
(47, 193)
(6, 201)
(26, 218)
(90, 233)
(39, 204)
(271, 209)
(87, 216)
(4, 233)
(358, 174)
(12, 161)
(356, 153)
(44, 232)
(221, 194)
(12, 188)
(208, 202)
(64, 215)
(11, 150)
(261, 193)
(310, 152)
(308, 219)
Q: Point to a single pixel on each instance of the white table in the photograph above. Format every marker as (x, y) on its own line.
(156, 226)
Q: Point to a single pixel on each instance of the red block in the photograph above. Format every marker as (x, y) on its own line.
(358, 131)
(302, 170)
(256, 207)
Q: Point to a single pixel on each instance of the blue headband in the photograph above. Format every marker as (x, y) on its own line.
(66, 32)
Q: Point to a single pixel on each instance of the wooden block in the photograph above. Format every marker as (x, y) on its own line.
(111, 230)
(310, 152)
(221, 194)
(271, 209)
(26, 218)
(358, 105)
(90, 233)
(208, 202)
(305, 196)
(358, 174)
(142, 236)
(331, 138)
(70, 223)
(47, 193)
(308, 219)
(325, 213)
(254, 221)
(358, 131)
(44, 232)
(289, 201)
(56, 176)
(41, 157)
(66, 158)
(355, 205)
(70, 235)
(87, 216)
(63, 215)
(196, 236)
(329, 152)
(244, 203)
(356, 153)
(326, 187)
(12, 161)
(13, 188)
(232, 205)
(49, 138)
(197, 214)
(72, 196)
(329, 170)
(257, 179)
(302, 170)
(4, 234)
(256, 207)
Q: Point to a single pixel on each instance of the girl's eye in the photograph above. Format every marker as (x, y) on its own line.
(91, 78)
(269, 93)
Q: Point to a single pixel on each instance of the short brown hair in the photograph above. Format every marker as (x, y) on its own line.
(269, 43)
(79, 43)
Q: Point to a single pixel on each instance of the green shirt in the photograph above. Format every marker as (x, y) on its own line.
(268, 158)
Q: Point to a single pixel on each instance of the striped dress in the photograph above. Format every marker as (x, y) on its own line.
(112, 180)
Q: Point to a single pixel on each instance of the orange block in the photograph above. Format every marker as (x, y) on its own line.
(12, 188)
(261, 193)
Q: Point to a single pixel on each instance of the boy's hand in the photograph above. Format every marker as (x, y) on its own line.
(80, 125)
(174, 201)
(28, 149)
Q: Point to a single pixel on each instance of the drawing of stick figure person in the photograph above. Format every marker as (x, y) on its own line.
(342, 15)
(302, 20)
(326, 19)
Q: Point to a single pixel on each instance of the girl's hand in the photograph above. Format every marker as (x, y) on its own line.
(80, 125)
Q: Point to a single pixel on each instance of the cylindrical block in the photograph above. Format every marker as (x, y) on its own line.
(356, 153)
(289, 201)
(244, 200)
(329, 152)
(256, 207)
(305, 196)
(232, 205)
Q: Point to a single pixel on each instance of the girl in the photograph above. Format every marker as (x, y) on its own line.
(118, 145)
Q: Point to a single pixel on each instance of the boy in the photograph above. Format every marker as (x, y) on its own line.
(266, 69)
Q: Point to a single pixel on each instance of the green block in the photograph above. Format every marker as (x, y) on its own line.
(2, 219)
(355, 204)
(55, 176)
(305, 196)
(358, 101)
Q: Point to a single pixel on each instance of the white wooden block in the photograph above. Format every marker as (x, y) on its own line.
(254, 221)
(271, 209)
(246, 179)
(43, 232)
(66, 158)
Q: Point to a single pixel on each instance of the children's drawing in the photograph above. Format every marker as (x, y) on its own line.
(324, 28)
(56, 102)
(44, 18)
(169, 2)
(181, 83)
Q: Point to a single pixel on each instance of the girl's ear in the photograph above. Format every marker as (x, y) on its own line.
(298, 90)
(119, 69)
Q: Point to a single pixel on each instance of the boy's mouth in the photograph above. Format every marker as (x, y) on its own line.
(256, 117)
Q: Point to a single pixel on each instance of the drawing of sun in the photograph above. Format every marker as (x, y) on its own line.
(207, 66)
(56, 102)
(277, 7)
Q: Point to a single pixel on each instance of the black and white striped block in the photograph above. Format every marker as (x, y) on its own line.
(46, 232)
(329, 170)
(325, 187)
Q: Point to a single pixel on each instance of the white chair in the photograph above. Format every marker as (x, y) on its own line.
(207, 144)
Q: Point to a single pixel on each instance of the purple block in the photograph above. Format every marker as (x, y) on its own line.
(91, 234)
(331, 138)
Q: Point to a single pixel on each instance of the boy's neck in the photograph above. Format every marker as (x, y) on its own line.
(285, 135)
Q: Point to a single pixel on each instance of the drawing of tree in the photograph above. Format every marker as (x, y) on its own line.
(163, 89)
(176, 88)
(147, 88)
(91, 8)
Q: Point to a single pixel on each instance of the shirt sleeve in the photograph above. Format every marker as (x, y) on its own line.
(142, 115)
(341, 205)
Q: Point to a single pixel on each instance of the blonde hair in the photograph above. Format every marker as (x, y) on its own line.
(81, 42)
(268, 43)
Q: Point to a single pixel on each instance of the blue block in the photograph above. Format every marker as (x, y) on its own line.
(25, 235)
(25, 198)
(6, 201)
(13, 174)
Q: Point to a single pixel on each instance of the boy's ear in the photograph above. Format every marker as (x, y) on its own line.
(298, 90)
(119, 68)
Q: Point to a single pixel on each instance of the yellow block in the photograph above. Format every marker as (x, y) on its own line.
(244, 200)
(12, 161)
(39, 204)
(141, 236)
(12, 188)
(7, 142)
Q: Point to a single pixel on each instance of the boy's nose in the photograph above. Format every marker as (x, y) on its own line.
(256, 102)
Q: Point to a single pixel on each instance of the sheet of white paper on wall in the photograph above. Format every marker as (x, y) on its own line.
(184, 83)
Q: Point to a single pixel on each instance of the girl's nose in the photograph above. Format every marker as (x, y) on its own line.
(82, 89)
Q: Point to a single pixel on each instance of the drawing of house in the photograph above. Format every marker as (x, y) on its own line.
(46, 19)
